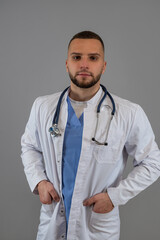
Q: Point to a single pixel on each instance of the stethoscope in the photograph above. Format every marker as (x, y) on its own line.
(54, 130)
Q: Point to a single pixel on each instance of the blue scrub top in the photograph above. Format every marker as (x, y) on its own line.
(71, 154)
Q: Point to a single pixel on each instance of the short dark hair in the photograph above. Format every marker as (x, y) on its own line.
(87, 35)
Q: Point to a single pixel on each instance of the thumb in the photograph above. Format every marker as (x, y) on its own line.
(89, 201)
(54, 194)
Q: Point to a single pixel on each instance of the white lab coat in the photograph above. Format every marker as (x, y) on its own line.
(100, 167)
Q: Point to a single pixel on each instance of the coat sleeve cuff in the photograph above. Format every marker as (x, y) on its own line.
(113, 196)
(34, 183)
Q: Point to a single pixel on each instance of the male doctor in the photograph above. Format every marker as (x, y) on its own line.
(79, 182)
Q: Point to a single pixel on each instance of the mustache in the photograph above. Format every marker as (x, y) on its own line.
(84, 71)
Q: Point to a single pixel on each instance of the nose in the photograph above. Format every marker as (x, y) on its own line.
(84, 64)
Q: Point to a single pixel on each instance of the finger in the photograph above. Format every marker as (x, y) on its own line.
(54, 195)
(46, 198)
(89, 201)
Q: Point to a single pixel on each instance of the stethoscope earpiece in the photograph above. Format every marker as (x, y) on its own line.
(94, 140)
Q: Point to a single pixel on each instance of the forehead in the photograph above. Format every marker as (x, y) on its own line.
(85, 46)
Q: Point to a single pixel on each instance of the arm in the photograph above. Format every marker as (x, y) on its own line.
(141, 145)
(32, 156)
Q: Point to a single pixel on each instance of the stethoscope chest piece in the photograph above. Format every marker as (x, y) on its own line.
(54, 130)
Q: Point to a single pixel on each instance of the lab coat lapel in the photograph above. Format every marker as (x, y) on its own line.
(58, 141)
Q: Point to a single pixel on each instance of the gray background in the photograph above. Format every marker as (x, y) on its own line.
(33, 46)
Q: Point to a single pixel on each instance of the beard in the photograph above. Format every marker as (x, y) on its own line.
(84, 83)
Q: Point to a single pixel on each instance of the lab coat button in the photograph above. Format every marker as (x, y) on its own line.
(62, 212)
(63, 236)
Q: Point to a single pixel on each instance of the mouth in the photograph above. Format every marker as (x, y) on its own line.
(84, 74)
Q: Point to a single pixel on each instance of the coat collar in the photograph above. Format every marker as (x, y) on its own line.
(93, 102)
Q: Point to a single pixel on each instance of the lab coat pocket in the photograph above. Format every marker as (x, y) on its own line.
(105, 154)
(105, 222)
(48, 209)
(45, 219)
(111, 153)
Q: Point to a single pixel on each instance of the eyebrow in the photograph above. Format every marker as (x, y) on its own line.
(90, 54)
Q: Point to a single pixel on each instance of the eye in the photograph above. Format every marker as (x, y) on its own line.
(93, 58)
(76, 57)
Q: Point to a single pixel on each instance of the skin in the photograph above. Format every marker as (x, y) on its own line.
(47, 192)
(85, 61)
(85, 64)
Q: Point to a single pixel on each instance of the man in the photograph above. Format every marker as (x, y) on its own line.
(79, 182)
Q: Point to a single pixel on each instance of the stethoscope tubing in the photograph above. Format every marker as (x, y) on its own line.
(54, 130)
(57, 112)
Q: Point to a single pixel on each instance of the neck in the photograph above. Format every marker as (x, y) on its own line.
(83, 94)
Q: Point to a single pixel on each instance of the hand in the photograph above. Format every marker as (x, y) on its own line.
(101, 203)
(47, 193)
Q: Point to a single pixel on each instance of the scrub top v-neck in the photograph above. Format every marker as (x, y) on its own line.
(71, 154)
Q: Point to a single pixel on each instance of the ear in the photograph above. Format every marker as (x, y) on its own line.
(104, 67)
(66, 65)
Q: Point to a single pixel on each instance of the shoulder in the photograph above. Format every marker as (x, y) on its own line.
(44, 105)
(125, 106)
(124, 103)
(131, 116)
(43, 102)
(128, 111)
